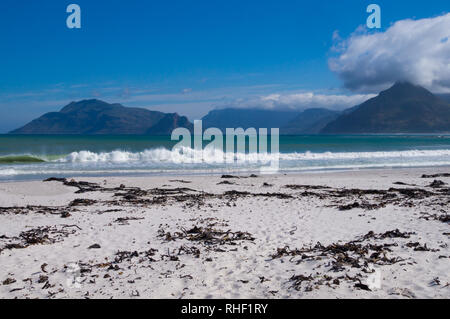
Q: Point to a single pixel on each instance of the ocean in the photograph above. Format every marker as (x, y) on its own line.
(33, 157)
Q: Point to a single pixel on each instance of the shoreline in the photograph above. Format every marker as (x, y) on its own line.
(351, 234)
(233, 172)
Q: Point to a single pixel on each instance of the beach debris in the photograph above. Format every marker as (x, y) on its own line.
(236, 194)
(189, 250)
(135, 293)
(436, 175)
(418, 247)
(180, 181)
(8, 281)
(120, 257)
(292, 232)
(83, 187)
(43, 267)
(16, 289)
(437, 184)
(42, 279)
(47, 285)
(445, 217)
(345, 199)
(299, 279)
(263, 279)
(435, 282)
(363, 205)
(42, 235)
(170, 256)
(404, 184)
(94, 246)
(226, 183)
(125, 255)
(55, 179)
(370, 199)
(45, 235)
(389, 234)
(31, 209)
(206, 235)
(229, 176)
(65, 214)
(362, 286)
(306, 187)
(125, 220)
(69, 226)
(171, 191)
(404, 292)
(359, 255)
(82, 202)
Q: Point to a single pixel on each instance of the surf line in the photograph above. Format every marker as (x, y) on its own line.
(213, 152)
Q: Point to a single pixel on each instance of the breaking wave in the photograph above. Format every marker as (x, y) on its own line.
(188, 160)
(17, 159)
(8, 172)
(189, 155)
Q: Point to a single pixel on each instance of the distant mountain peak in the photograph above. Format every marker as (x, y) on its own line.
(402, 89)
(309, 121)
(403, 108)
(84, 104)
(404, 84)
(94, 116)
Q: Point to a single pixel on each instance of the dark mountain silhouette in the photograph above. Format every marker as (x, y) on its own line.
(245, 118)
(404, 108)
(310, 121)
(445, 96)
(168, 123)
(98, 117)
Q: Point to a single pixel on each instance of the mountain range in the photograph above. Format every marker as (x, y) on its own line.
(403, 108)
(245, 118)
(98, 117)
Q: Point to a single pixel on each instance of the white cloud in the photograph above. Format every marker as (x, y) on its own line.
(410, 50)
(336, 36)
(300, 101)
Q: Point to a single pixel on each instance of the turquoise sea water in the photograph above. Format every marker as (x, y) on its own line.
(35, 157)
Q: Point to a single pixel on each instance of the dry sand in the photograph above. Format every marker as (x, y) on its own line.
(250, 237)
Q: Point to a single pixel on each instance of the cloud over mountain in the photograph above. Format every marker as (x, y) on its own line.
(299, 101)
(410, 50)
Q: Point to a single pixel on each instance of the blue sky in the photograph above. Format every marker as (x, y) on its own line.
(176, 56)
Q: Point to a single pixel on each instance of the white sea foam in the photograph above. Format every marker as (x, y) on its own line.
(365, 155)
(162, 155)
(188, 155)
(162, 161)
(8, 172)
(299, 168)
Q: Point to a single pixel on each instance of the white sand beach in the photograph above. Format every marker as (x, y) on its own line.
(355, 234)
